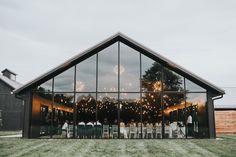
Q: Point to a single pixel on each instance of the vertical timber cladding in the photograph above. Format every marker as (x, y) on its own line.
(225, 121)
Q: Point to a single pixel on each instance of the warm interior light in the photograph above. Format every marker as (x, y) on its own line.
(157, 86)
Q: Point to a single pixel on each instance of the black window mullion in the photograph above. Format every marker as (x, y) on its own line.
(74, 104)
(51, 126)
(118, 90)
(162, 105)
(185, 116)
(96, 95)
(141, 103)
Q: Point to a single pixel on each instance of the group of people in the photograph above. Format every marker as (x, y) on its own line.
(132, 129)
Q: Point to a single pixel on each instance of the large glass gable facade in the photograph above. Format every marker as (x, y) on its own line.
(121, 93)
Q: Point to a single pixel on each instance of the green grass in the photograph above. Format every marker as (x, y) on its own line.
(225, 146)
(6, 133)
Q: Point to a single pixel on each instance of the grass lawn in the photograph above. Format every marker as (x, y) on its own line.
(223, 146)
(6, 133)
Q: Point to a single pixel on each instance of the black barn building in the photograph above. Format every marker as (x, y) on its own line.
(11, 108)
(119, 89)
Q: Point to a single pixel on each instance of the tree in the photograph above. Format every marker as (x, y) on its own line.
(152, 82)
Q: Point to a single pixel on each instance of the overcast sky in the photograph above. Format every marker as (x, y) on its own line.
(200, 35)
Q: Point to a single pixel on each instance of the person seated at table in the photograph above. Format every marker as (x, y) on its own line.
(105, 122)
(132, 123)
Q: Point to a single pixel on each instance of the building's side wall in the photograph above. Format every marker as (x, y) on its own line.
(27, 114)
(11, 109)
(225, 121)
(211, 117)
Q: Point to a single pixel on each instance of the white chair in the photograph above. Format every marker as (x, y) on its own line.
(123, 131)
(149, 132)
(132, 131)
(105, 131)
(114, 131)
(167, 131)
(174, 130)
(140, 131)
(70, 131)
(158, 130)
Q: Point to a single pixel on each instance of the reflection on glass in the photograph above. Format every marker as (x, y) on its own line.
(197, 120)
(151, 74)
(64, 82)
(86, 75)
(108, 69)
(172, 81)
(151, 115)
(45, 87)
(130, 115)
(174, 115)
(193, 87)
(41, 115)
(86, 115)
(63, 115)
(107, 105)
(65, 99)
(129, 69)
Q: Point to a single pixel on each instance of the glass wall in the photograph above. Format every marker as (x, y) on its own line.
(174, 115)
(107, 115)
(86, 75)
(63, 117)
(119, 92)
(130, 115)
(152, 115)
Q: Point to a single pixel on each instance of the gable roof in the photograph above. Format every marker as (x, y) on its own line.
(13, 84)
(123, 38)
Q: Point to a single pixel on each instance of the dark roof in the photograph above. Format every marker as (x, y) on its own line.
(9, 71)
(121, 37)
(11, 83)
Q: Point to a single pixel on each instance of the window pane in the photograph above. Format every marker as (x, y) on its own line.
(64, 82)
(129, 69)
(86, 75)
(130, 115)
(86, 115)
(41, 119)
(108, 115)
(152, 115)
(174, 115)
(45, 87)
(108, 69)
(197, 119)
(151, 75)
(193, 87)
(63, 111)
(172, 81)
